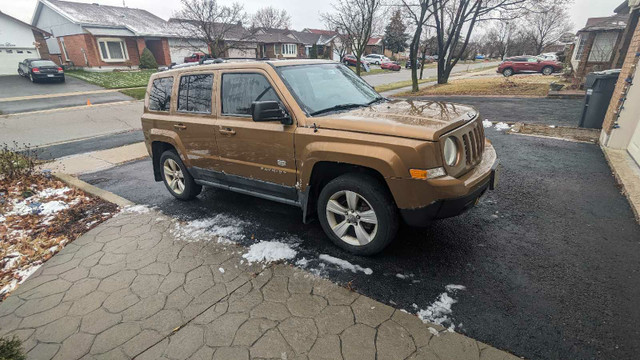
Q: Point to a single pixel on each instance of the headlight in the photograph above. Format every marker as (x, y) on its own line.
(450, 152)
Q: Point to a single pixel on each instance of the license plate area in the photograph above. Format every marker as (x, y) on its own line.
(50, 75)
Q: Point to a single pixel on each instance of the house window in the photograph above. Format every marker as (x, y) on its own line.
(602, 47)
(113, 50)
(289, 49)
(582, 40)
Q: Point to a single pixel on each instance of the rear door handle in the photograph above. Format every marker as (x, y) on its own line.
(180, 126)
(227, 131)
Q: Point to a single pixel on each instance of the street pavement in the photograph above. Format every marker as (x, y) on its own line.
(16, 86)
(549, 260)
(405, 74)
(63, 125)
(136, 287)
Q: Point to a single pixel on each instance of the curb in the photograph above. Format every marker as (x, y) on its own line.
(624, 187)
(88, 188)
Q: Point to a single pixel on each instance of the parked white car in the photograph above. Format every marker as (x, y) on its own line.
(376, 59)
(548, 56)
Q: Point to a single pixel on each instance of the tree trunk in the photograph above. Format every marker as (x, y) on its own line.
(424, 54)
(413, 58)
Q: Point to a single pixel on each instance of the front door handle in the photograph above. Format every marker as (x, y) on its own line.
(180, 126)
(227, 131)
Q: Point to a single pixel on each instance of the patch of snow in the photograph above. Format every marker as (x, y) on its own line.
(552, 126)
(434, 331)
(486, 123)
(440, 310)
(9, 287)
(52, 207)
(344, 264)
(2, 219)
(228, 229)
(51, 192)
(136, 209)
(302, 262)
(221, 270)
(269, 251)
(401, 276)
(25, 273)
(502, 126)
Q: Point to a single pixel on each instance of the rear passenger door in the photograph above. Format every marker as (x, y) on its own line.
(256, 156)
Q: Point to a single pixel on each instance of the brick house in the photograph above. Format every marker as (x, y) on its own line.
(620, 137)
(375, 45)
(100, 37)
(291, 44)
(598, 43)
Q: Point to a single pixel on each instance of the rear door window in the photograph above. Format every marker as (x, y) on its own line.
(194, 93)
(160, 95)
(240, 90)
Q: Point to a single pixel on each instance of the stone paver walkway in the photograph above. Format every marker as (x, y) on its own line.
(129, 289)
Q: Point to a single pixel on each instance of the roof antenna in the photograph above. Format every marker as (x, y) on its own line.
(124, 4)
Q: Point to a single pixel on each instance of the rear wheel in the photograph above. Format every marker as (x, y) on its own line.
(547, 70)
(507, 72)
(20, 72)
(358, 214)
(176, 177)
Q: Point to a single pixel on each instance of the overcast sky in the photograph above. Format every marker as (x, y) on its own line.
(304, 13)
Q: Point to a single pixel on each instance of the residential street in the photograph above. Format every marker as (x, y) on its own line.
(537, 284)
(405, 74)
(16, 86)
(65, 125)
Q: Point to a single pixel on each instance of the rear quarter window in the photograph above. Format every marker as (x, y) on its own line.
(160, 94)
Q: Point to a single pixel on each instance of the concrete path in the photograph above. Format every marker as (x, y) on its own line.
(131, 289)
(63, 125)
(97, 160)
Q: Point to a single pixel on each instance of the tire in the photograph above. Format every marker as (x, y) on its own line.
(359, 237)
(184, 187)
(33, 80)
(507, 72)
(547, 70)
(20, 72)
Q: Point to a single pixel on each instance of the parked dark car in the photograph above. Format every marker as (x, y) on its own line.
(528, 64)
(39, 69)
(390, 65)
(350, 60)
(407, 65)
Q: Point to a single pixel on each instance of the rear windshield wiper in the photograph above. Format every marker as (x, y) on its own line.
(336, 108)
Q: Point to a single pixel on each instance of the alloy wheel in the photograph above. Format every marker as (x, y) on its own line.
(547, 71)
(352, 218)
(173, 176)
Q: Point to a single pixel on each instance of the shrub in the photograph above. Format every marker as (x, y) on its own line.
(11, 349)
(15, 164)
(147, 61)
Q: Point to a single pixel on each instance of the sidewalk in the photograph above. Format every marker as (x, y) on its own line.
(130, 289)
(97, 160)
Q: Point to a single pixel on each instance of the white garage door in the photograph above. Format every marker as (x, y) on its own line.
(9, 59)
(242, 53)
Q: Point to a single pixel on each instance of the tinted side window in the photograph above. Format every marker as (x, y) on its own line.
(194, 93)
(240, 90)
(160, 96)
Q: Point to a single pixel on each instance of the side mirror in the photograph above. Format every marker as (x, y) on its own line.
(262, 111)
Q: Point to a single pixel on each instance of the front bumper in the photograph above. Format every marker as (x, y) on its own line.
(455, 205)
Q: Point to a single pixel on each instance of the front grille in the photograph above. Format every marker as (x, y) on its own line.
(470, 139)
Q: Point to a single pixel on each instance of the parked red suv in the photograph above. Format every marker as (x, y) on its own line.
(350, 60)
(525, 64)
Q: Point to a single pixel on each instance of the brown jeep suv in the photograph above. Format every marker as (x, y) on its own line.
(311, 133)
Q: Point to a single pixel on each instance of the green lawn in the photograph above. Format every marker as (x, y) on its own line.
(137, 93)
(115, 79)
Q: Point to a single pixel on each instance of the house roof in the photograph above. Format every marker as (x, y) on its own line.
(267, 35)
(615, 22)
(321, 32)
(24, 23)
(374, 41)
(139, 22)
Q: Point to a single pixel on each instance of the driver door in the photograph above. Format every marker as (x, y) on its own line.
(254, 156)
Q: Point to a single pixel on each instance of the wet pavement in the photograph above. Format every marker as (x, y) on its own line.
(549, 260)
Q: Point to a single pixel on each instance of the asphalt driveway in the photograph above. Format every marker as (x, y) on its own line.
(549, 260)
(15, 86)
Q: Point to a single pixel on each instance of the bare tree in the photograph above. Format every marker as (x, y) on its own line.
(270, 17)
(342, 44)
(355, 19)
(455, 21)
(419, 13)
(212, 28)
(499, 38)
(546, 22)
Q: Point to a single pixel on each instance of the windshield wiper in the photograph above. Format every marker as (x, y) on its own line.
(376, 100)
(337, 107)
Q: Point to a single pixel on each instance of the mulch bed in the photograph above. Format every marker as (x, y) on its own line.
(39, 215)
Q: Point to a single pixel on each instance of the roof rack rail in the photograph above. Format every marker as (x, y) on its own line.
(209, 62)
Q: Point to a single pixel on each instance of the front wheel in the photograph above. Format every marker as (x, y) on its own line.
(358, 214)
(507, 72)
(176, 177)
(547, 70)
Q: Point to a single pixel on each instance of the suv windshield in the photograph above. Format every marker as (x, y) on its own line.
(321, 88)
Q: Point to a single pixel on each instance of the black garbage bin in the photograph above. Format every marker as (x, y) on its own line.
(600, 86)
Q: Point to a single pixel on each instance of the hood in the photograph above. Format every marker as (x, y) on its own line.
(424, 120)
